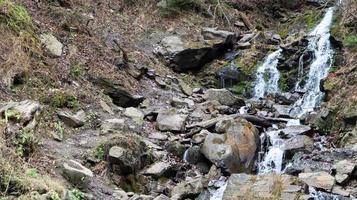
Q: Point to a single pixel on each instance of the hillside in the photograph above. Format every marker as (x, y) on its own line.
(178, 99)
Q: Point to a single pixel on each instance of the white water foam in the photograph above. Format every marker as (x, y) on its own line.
(268, 76)
(319, 43)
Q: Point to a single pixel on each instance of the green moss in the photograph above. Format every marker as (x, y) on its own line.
(61, 100)
(14, 16)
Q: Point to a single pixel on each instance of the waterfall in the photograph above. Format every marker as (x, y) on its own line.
(268, 76)
(319, 44)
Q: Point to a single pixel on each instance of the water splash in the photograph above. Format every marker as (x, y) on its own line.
(273, 159)
(319, 44)
(218, 193)
(268, 76)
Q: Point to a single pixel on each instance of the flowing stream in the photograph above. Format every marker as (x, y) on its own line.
(267, 83)
(319, 43)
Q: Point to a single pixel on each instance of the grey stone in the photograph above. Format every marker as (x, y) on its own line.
(224, 97)
(296, 130)
(298, 143)
(112, 125)
(213, 33)
(187, 188)
(321, 180)
(234, 150)
(22, 112)
(52, 44)
(282, 110)
(135, 114)
(76, 173)
(73, 120)
(193, 155)
(200, 137)
(157, 169)
(186, 89)
(244, 186)
(169, 120)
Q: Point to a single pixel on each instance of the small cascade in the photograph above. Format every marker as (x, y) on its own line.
(300, 72)
(268, 76)
(273, 159)
(319, 43)
(228, 77)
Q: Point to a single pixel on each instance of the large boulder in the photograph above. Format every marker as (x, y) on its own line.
(125, 153)
(74, 120)
(76, 173)
(224, 97)
(119, 95)
(170, 120)
(213, 34)
(22, 112)
(298, 143)
(234, 150)
(244, 186)
(183, 56)
(321, 180)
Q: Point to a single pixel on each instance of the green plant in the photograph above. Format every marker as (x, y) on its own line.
(59, 129)
(15, 16)
(76, 70)
(75, 194)
(99, 152)
(11, 114)
(350, 41)
(61, 100)
(31, 172)
(54, 196)
(25, 142)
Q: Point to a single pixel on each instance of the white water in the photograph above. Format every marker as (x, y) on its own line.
(273, 160)
(268, 76)
(319, 43)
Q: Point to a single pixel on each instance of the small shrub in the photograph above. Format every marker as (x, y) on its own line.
(25, 142)
(61, 100)
(12, 114)
(99, 152)
(31, 173)
(75, 194)
(15, 16)
(76, 70)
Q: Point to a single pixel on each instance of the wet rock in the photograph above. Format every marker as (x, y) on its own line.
(135, 114)
(275, 39)
(157, 169)
(73, 120)
(244, 186)
(52, 44)
(298, 143)
(169, 120)
(187, 189)
(113, 125)
(125, 153)
(296, 130)
(340, 191)
(234, 150)
(22, 112)
(224, 97)
(321, 180)
(213, 33)
(282, 110)
(193, 155)
(119, 95)
(76, 173)
(183, 56)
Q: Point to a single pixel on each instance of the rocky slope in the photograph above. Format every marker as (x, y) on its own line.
(121, 100)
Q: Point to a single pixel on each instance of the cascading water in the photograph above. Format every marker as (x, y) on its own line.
(319, 43)
(268, 76)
